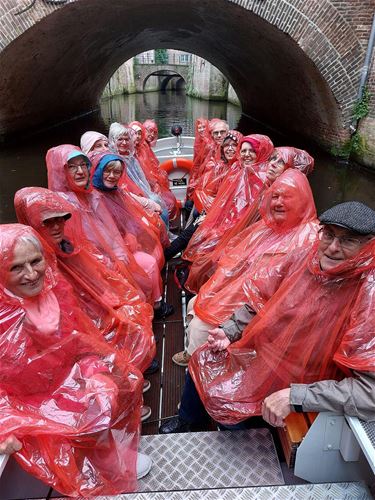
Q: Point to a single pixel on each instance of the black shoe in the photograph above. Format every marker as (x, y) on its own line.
(163, 311)
(175, 424)
(153, 368)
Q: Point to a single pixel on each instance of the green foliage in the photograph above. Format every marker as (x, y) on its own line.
(362, 107)
(161, 56)
(356, 144)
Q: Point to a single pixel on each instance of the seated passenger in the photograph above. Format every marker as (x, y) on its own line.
(238, 190)
(206, 190)
(129, 216)
(288, 222)
(215, 170)
(93, 142)
(208, 148)
(157, 178)
(115, 307)
(69, 403)
(122, 141)
(204, 265)
(68, 172)
(309, 346)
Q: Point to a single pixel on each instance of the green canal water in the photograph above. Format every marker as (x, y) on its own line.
(23, 161)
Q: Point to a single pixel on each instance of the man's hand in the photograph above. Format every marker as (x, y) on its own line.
(10, 445)
(217, 340)
(276, 407)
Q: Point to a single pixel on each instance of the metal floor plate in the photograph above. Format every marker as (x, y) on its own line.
(328, 491)
(202, 460)
(369, 428)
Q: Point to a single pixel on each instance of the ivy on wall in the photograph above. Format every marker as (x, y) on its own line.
(356, 144)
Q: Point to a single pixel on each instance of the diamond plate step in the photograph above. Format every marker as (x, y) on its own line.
(201, 460)
(327, 491)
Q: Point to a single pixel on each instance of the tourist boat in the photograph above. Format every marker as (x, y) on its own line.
(175, 155)
(335, 456)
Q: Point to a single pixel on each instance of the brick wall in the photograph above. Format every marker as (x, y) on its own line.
(284, 57)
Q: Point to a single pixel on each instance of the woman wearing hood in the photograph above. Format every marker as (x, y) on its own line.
(238, 190)
(76, 405)
(69, 173)
(288, 221)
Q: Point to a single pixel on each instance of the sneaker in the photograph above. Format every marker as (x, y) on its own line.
(153, 368)
(173, 425)
(146, 386)
(144, 464)
(145, 413)
(181, 358)
(163, 311)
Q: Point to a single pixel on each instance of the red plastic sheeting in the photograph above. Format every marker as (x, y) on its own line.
(288, 222)
(130, 217)
(98, 224)
(316, 326)
(68, 397)
(239, 189)
(156, 176)
(114, 305)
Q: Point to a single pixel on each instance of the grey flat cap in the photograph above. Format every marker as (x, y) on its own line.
(352, 215)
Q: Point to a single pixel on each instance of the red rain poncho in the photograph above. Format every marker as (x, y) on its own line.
(111, 302)
(128, 215)
(214, 171)
(317, 325)
(238, 190)
(97, 222)
(260, 244)
(157, 177)
(205, 265)
(68, 397)
(201, 141)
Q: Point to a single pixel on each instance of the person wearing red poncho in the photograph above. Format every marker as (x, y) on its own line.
(69, 404)
(288, 222)
(204, 265)
(157, 177)
(209, 135)
(310, 346)
(238, 190)
(112, 303)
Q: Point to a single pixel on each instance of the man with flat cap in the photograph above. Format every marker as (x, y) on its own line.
(305, 341)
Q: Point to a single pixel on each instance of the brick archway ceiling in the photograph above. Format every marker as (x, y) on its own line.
(58, 68)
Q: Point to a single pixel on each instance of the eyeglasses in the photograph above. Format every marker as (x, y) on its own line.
(216, 133)
(74, 168)
(230, 146)
(115, 173)
(345, 242)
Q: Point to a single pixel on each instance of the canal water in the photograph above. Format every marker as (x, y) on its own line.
(22, 161)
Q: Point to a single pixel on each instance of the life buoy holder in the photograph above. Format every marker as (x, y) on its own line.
(170, 165)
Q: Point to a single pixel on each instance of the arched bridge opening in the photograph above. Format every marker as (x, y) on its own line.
(163, 79)
(289, 67)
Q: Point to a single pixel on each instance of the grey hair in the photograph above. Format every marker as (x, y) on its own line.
(115, 130)
(30, 238)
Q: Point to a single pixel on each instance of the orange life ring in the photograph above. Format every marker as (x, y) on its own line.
(174, 163)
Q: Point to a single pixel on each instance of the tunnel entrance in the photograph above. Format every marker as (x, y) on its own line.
(59, 67)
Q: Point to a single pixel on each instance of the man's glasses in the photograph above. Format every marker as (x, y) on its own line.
(345, 242)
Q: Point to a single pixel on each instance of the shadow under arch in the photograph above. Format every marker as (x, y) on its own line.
(167, 76)
(59, 68)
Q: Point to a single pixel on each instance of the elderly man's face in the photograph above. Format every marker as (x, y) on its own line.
(338, 244)
(219, 132)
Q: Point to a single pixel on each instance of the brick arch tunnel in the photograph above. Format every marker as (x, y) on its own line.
(59, 67)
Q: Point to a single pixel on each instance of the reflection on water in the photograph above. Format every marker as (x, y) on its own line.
(167, 109)
(22, 162)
